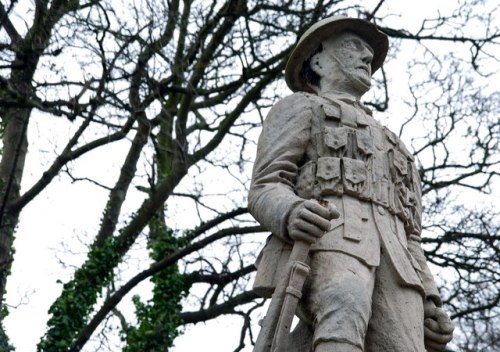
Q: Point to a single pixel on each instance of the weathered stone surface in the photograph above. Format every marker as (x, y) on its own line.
(330, 179)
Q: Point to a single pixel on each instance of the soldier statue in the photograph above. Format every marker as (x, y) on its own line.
(329, 175)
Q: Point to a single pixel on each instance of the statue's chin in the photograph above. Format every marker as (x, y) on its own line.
(341, 81)
(361, 83)
(365, 88)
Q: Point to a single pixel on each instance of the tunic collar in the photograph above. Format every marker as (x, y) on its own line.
(348, 99)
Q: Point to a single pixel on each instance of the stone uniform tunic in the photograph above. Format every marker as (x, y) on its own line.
(331, 148)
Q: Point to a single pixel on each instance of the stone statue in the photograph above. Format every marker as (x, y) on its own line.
(329, 176)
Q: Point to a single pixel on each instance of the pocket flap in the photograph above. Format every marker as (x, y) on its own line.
(328, 168)
(400, 162)
(365, 142)
(336, 138)
(355, 171)
(332, 111)
(391, 136)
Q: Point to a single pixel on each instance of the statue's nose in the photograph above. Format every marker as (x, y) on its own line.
(367, 56)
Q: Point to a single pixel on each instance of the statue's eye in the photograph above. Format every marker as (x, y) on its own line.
(353, 44)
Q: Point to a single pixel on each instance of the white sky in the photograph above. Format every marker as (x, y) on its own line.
(53, 221)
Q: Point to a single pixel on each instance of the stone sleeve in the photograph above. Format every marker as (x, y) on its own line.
(281, 148)
(415, 248)
(431, 291)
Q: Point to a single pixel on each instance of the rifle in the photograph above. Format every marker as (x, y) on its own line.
(275, 327)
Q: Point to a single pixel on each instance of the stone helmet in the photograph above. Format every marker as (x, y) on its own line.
(323, 29)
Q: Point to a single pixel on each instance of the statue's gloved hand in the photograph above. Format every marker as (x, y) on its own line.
(438, 328)
(310, 220)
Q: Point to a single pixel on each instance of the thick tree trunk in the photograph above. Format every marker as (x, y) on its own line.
(15, 147)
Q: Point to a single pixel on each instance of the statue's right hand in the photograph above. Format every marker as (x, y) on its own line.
(310, 220)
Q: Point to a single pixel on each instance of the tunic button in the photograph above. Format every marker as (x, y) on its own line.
(381, 210)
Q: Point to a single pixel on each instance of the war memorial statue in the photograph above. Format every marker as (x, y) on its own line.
(341, 195)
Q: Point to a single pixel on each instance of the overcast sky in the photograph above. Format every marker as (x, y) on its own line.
(53, 224)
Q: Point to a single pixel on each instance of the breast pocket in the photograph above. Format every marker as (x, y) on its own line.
(366, 147)
(336, 141)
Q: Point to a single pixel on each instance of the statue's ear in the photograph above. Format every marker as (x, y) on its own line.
(317, 65)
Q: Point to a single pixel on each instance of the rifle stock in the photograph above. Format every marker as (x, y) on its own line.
(275, 326)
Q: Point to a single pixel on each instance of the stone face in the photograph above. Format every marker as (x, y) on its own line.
(329, 176)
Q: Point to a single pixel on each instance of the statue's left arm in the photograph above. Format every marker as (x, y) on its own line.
(438, 328)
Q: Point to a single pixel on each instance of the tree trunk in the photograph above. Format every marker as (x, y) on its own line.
(15, 147)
